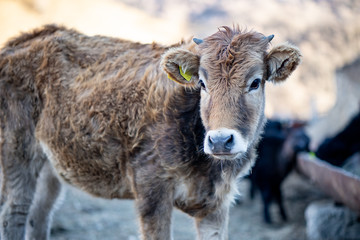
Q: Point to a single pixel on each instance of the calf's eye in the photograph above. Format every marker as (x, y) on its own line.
(255, 84)
(202, 84)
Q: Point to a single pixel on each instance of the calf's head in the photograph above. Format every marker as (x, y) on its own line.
(231, 68)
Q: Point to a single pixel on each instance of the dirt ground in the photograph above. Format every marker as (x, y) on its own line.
(82, 217)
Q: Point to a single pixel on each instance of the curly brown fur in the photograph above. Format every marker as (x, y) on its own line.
(101, 115)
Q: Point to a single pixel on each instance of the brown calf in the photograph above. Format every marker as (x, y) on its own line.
(99, 113)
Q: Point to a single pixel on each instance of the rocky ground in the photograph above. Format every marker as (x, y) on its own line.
(82, 217)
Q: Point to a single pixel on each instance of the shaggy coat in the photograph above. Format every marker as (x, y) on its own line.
(100, 114)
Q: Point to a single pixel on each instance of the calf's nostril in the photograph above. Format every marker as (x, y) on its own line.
(211, 143)
(229, 143)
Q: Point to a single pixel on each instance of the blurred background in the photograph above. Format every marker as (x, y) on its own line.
(324, 91)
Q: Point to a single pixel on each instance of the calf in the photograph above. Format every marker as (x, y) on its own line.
(99, 113)
(277, 153)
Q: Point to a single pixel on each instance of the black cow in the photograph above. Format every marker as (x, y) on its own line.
(337, 149)
(277, 153)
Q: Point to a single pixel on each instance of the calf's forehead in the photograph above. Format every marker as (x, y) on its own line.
(229, 53)
(237, 70)
(246, 56)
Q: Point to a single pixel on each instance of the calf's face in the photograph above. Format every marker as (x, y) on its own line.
(231, 68)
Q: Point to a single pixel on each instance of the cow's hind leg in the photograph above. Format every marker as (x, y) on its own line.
(21, 161)
(47, 191)
(267, 197)
(279, 200)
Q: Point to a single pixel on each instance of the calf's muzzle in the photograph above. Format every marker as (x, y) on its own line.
(224, 142)
(221, 144)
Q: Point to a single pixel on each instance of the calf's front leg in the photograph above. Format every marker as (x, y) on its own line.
(154, 207)
(215, 225)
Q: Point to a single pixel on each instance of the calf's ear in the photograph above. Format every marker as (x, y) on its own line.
(281, 61)
(181, 66)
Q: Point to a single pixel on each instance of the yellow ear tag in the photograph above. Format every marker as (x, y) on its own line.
(185, 75)
(169, 77)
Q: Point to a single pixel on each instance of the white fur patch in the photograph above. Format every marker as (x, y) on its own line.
(47, 152)
(181, 191)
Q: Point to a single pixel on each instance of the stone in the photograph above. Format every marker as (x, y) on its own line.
(326, 220)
